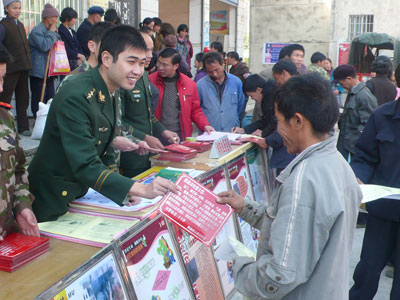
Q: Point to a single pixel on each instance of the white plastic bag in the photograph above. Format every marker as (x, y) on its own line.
(40, 122)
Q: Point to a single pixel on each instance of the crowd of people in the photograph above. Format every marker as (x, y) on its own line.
(133, 91)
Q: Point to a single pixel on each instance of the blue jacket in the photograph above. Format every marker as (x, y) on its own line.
(222, 115)
(40, 41)
(377, 161)
(72, 45)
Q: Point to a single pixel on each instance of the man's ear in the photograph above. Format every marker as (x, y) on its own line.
(92, 46)
(299, 120)
(106, 59)
(176, 66)
(259, 90)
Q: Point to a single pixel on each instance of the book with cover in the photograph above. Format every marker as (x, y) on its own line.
(198, 146)
(17, 249)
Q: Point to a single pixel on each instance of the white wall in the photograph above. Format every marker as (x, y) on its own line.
(148, 8)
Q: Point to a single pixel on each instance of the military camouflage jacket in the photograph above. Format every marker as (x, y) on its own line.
(313, 68)
(15, 195)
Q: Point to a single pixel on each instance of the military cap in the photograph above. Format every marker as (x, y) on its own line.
(96, 10)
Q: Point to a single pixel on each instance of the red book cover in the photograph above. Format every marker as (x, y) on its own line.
(195, 209)
(175, 156)
(180, 149)
(198, 146)
(17, 245)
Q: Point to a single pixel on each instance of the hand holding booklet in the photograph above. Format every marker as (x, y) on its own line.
(195, 209)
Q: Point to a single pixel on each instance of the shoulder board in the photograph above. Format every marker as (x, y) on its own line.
(6, 105)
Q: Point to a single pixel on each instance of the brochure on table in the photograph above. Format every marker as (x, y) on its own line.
(99, 278)
(200, 266)
(258, 176)
(216, 182)
(153, 263)
(241, 184)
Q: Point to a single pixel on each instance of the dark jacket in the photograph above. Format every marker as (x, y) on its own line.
(83, 36)
(239, 70)
(267, 123)
(76, 150)
(280, 157)
(382, 88)
(358, 107)
(72, 45)
(376, 160)
(16, 43)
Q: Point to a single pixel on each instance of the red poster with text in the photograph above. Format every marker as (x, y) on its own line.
(344, 50)
(195, 209)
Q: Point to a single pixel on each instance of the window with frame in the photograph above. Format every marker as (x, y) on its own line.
(359, 24)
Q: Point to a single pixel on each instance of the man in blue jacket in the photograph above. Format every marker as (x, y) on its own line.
(221, 95)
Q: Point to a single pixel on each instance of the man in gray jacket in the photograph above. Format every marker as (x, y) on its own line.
(360, 103)
(308, 228)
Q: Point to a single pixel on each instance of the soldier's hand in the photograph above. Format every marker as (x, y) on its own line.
(233, 199)
(153, 142)
(144, 148)
(27, 222)
(134, 201)
(171, 137)
(158, 187)
(123, 144)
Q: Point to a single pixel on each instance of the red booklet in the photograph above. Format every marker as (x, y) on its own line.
(198, 146)
(17, 249)
(195, 209)
(180, 149)
(177, 152)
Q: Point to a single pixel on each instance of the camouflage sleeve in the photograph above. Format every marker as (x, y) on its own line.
(14, 180)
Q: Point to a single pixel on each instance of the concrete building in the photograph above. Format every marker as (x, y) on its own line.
(319, 25)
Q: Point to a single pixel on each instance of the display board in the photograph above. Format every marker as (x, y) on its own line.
(153, 263)
(200, 266)
(259, 180)
(99, 278)
(241, 184)
(216, 182)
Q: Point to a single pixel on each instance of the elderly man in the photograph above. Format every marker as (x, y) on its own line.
(307, 230)
(95, 14)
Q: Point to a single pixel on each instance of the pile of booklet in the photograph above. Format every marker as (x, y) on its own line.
(18, 249)
(198, 146)
(178, 153)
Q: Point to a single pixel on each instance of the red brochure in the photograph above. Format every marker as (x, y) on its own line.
(195, 209)
(180, 149)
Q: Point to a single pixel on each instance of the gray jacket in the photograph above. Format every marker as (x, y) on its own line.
(360, 103)
(40, 41)
(306, 232)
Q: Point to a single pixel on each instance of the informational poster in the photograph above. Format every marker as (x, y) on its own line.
(271, 52)
(151, 259)
(102, 281)
(257, 175)
(127, 10)
(200, 266)
(343, 53)
(216, 182)
(241, 184)
(219, 22)
(195, 209)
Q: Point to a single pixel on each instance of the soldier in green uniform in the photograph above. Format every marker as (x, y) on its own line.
(16, 200)
(76, 149)
(139, 121)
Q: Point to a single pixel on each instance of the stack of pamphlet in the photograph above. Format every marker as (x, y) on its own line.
(177, 153)
(18, 249)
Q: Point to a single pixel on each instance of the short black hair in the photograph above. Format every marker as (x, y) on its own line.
(97, 31)
(146, 29)
(199, 57)
(182, 27)
(284, 52)
(316, 57)
(294, 47)
(119, 38)
(382, 65)
(234, 55)
(166, 29)
(212, 57)
(157, 21)
(5, 56)
(217, 46)
(68, 14)
(253, 82)
(111, 15)
(344, 71)
(173, 53)
(311, 96)
(146, 22)
(285, 65)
